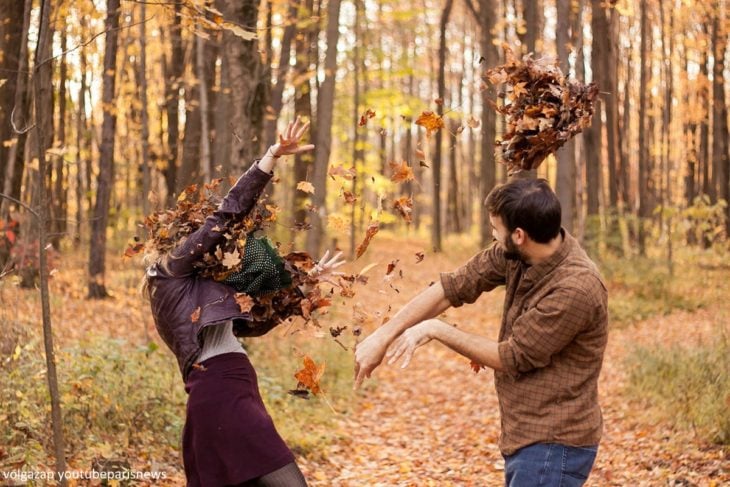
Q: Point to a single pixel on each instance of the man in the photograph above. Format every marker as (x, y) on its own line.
(551, 341)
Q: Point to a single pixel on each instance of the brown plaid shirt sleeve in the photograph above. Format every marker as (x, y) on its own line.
(482, 273)
(546, 329)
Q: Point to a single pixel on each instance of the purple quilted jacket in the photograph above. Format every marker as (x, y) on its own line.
(175, 295)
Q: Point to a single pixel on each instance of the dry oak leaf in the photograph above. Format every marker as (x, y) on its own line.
(310, 375)
(430, 121)
(391, 267)
(305, 186)
(366, 116)
(244, 301)
(231, 259)
(369, 234)
(404, 206)
(401, 172)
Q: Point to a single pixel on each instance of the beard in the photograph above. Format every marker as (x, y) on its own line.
(511, 252)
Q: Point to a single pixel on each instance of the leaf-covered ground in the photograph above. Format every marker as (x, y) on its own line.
(434, 423)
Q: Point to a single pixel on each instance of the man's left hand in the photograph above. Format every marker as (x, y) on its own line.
(414, 337)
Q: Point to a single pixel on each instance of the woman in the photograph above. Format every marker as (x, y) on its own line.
(228, 438)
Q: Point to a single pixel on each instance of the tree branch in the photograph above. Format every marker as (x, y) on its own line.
(31, 210)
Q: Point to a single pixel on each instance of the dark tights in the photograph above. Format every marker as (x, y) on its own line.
(287, 476)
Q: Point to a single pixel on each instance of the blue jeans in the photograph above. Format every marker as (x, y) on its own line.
(549, 464)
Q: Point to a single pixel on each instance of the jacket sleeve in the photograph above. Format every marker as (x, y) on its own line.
(238, 203)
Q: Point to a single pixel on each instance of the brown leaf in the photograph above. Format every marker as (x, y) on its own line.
(305, 186)
(391, 267)
(401, 172)
(419, 257)
(430, 121)
(244, 301)
(404, 206)
(311, 375)
(349, 198)
(366, 116)
(195, 315)
(369, 234)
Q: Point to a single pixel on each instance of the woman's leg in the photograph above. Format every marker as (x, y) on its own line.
(287, 476)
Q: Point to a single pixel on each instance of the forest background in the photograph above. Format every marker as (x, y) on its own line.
(110, 109)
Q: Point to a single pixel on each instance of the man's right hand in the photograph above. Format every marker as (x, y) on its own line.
(369, 354)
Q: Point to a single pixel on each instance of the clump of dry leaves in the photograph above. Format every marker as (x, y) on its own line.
(544, 109)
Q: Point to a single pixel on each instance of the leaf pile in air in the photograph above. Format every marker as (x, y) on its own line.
(544, 109)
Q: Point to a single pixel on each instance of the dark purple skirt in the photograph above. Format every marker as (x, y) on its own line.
(228, 436)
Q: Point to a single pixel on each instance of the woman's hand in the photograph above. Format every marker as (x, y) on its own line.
(290, 139)
(324, 269)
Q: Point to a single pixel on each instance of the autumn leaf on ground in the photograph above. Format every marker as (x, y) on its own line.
(430, 121)
(244, 301)
(195, 315)
(366, 116)
(419, 257)
(305, 186)
(404, 206)
(401, 172)
(310, 375)
(369, 234)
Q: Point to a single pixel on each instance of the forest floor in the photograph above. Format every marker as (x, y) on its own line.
(434, 423)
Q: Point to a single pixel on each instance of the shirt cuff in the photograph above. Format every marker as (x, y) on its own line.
(507, 358)
(255, 167)
(447, 282)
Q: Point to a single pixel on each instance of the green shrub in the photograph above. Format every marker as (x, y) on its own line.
(689, 386)
(115, 398)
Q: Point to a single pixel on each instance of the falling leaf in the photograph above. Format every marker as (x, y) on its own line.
(391, 267)
(300, 393)
(310, 375)
(419, 257)
(132, 249)
(473, 122)
(231, 259)
(401, 172)
(420, 154)
(244, 301)
(349, 198)
(430, 121)
(240, 32)
(195, 315)
(439, 101)
(305, 186)
(423, 164)
(369, 234)
(404, 206)
(366, 116)
(335, 332)
(476, 367)
(348, 174)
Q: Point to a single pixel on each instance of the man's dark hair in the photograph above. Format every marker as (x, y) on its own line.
(528, 204)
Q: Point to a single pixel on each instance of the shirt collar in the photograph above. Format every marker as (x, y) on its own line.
(536, 272)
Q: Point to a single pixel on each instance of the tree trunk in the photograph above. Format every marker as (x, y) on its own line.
(43, 114)
(105, 180)
(303, 108)
(356, 150)
(644, 204)
(719, 109)
(436, 166)
(276, 101)
(581, 160)
(205, 166)
(146, 175)
(452, 200)
(565, 184)
(246, 83)
(14, 62)
(173, 81)
(489, 118)
(80, 142)
(532, 14)
(325, 107)
(59, 205)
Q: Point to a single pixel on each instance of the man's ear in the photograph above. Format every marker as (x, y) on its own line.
(520, 237)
